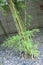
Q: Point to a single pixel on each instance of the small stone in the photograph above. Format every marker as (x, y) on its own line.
(42, 55)
(37, 64)
(39, 58)
(24, 64)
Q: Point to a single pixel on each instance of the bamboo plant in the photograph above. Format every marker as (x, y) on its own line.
(24, 39)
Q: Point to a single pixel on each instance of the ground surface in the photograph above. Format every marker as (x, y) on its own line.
(7, 56)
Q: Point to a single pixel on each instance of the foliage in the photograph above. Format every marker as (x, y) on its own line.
(19, 4)
(2, 2)
(17, 42)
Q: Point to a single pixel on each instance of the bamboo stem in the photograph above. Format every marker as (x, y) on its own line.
(15, 14)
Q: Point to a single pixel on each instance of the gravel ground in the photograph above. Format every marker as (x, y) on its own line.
(7, 57)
